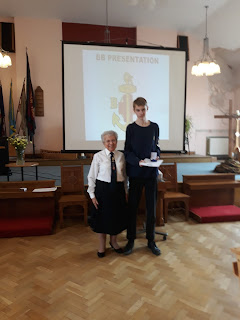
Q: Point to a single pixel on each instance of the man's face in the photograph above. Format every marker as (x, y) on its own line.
(140, 111)
(110, 142)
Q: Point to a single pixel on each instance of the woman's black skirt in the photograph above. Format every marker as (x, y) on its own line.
(111, 215)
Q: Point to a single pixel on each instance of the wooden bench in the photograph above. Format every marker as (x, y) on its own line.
(210, 190)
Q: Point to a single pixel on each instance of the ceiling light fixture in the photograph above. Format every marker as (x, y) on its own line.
(5, 60)
(206, 65)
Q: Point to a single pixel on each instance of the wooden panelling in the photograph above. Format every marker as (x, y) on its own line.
(78, 32)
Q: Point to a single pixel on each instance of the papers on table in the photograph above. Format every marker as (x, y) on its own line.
(45, 189)
(149, 163)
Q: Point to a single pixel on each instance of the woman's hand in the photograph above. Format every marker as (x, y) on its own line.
(95, 202)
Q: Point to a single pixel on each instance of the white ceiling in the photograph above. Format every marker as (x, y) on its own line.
(185, 16)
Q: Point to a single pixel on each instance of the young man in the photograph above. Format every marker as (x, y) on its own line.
(141, 139)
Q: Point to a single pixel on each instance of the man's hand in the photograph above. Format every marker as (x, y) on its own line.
(140, 162)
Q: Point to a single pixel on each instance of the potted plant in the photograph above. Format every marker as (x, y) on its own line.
(188, 129)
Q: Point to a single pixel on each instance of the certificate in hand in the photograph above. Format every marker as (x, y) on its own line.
(149, 163)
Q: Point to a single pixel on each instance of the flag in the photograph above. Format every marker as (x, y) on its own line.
(2, 115)
(12, 122)
(22, 110)
(30, 105)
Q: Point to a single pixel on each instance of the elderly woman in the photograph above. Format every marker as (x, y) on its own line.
(106, 187)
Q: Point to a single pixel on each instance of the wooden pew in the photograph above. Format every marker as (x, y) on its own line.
(26, 213)
(211, 189)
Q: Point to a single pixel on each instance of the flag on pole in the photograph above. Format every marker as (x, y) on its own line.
(22, 110)
(2, 114)
(12, 122)
(30, 105)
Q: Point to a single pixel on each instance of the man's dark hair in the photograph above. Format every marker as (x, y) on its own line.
(140, 101)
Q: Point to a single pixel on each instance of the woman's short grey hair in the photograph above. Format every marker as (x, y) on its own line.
(109, 133)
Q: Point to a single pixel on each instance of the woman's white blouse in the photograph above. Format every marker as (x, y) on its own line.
(101, 169)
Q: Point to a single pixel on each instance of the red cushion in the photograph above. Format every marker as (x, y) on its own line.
(216, 213)
(20, 227)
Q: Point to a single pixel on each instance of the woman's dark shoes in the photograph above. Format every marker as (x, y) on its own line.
(119, 250)
(101, 254)
(153, 247)
(128, 248)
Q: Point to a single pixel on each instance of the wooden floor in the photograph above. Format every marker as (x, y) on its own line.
(60, 276)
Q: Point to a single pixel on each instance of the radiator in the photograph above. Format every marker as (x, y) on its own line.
(217, 146)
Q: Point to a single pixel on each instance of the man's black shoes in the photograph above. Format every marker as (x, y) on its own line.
(153, 247)
(128, 248)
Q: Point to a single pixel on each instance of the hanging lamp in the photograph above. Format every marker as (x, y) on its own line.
(206, 65)
(5, 60)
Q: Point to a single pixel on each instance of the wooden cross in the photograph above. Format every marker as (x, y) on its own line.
(231, 139)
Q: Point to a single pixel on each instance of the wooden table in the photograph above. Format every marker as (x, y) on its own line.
(25, 165)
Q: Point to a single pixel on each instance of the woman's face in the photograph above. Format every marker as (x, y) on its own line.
(110, 142)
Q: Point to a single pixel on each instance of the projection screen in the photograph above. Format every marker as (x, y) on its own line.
(100, 83)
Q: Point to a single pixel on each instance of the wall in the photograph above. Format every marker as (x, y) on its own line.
(197, 102)
(43, 40)
(199, 106)
(237, 88)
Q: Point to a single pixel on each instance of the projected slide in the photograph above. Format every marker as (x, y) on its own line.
(111, 82)
(101, 82)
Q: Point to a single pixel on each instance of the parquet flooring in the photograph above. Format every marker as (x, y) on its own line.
(60, 277)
